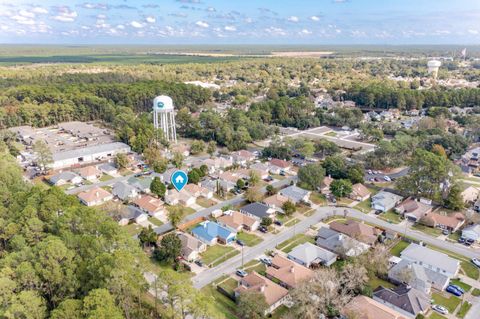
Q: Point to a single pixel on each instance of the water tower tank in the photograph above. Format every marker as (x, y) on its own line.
(433, 65)
(163, 103)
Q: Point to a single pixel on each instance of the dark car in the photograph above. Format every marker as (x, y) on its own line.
(241, 243)
(451, 289)
(461, 240)
(278, 223)
(458, 288)
(199, 262)
(263, 229)
(378, 212)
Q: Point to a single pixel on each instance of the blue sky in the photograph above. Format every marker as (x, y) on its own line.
(240, 22)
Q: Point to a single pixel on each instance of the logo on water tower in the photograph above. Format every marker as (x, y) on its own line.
(160, 105)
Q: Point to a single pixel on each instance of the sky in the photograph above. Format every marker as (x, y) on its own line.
(240, 22)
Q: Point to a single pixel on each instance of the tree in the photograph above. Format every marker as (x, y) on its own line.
(311, 175)
(439, 150)
(326, 147)
(157, 187)
(254, 179)
(193, 177)
(43, 154)
(155, 160)
(175, 215)
(335, 166)
(197, 147)
(147, 236)
(121, 160)
(170, 248)
(100, 304)
(341, 187)
(355, 174)
(307, 149)
(211, 148)
(454, 200)
(204, 170)
(271, 190)
(240, 183)
(253, 194)
(69, 308)
(266, 221)
(289, 208)
(251, 305)
(177, 159)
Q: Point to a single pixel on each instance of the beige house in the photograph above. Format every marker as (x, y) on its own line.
(94, 196)
(363, 307)
(238, 221)
(470, 194)
(276, 201)
(90, 173)
(198, 191)
(360, 192)
(174, 197)
(191, 246)
(151, 205)
(289, 273)
(325, 187)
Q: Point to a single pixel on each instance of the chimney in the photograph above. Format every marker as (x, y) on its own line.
(262, 288)
(97, 194)
(292, 269)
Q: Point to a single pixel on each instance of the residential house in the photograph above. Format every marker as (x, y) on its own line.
(174, 197)
(339, 243)
(211, 233)
(309, 255)
(276, 201)
(287, 272)
(108, 169)
(191, 246)
(470, 161)
(215, 184)
(124, 191)
(362, 307)
(275, 295)
(450, 222)
(325, 186)
(218, 163)
(417, 276)
(151, 205)
(360, 192)
(90, 173)
(414, 210)
(262, 174)
(470, 194)
(384, 201)
(94, 196)
(431, 259)
(472, 232)
(166, 176)
(407, 300)
(65, 178)
(232, 177)
(128, 215)
(296, 194)
(142, 184)
(238, 221)
(264, 167)
(358, 230)
(276, 166)
(258, 210)
(243, 157)
(198, 191)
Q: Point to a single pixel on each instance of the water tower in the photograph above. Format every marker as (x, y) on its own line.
(164, 117)
(433, 66)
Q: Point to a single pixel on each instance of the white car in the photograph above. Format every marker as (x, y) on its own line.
(386, 178)
(476, 262)
(440, 309)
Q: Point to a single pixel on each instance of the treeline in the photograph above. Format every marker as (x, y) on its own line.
(59, 259)
(379, 95)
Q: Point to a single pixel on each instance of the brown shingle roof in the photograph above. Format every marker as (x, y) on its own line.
(275, 200)
(149, 203)
(89, 171)
(272, 292)
(360, 190)
(288, 272)
(237, 219)
(447, 220)
(367, 308)
(94, 194)
(357, 230)
(279, 163)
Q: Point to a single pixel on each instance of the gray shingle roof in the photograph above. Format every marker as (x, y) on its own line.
(431, 257)
(408, 299)
(256, 209)
(308, 253)
(294, 193)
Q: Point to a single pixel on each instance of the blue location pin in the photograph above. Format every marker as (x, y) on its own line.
(179, 179)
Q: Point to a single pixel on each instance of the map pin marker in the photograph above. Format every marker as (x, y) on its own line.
(179, 179)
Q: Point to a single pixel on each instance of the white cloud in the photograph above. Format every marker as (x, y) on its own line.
(211, 9)
(136, 24)
(275, 31)
(101, 16)
(315, 18)
(65, 15)
(202, 24)
(248, 20)
(150, 19)
(230, 28)
(293, 19)
(120, 27)
(23, 20)
(27, 14)
(471, 31)
(40, 10)
(305, 32)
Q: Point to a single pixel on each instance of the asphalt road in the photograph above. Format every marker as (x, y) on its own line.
(396, 175)
(250, 253)
(207, 211)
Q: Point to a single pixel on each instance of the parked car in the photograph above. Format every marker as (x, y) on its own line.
(458, 288)
(241, 243)
(266, 261)
(198, 262)
(263, 229)
(451, 289)
(370, 172)
(278, 223)
(440, 309)
(282, 173)
(269, 178)
(378, 212)
(445, 232)
(387, 178)
(461, 240)
(241, 273)
(468, 242)
(476, 262)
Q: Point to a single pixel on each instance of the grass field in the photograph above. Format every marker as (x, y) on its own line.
(155, 221)
(390, 216)
(249, 239)
(476, 292)
(204, 202)
(464, 308)
(435, 232)
(376, 282)
(364, 206)
(292, 222)
(291, 243)
(398, 248)
(229, 285)
(133, 229)
(255, 265)
(435, 315)
(450, 302)
(318, 198)
(224, 306)
(105, 178)
(214, 254)
(461, 284)
(469, 269)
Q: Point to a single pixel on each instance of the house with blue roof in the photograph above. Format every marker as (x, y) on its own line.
(211, 233)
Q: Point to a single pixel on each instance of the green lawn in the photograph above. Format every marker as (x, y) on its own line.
(318, 198)
(398, 248)
(375, 282)
(464, 308)
(229, 285)
(365, 206)
(105, 178)
(291, 243)
(476, 292)
(155, 221)
(255, 265)
(280, 312)
(292, 222)
(435, 315)
(224, 306)
(435, 232)
(107, 188)
(469, 269)
(391, 217)
(133, 229)
(451, 302)
(204, 202)
(455, 236)
(332, 134)
(249, 239)
(344, 201)
(214, 253)
(461, 284)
